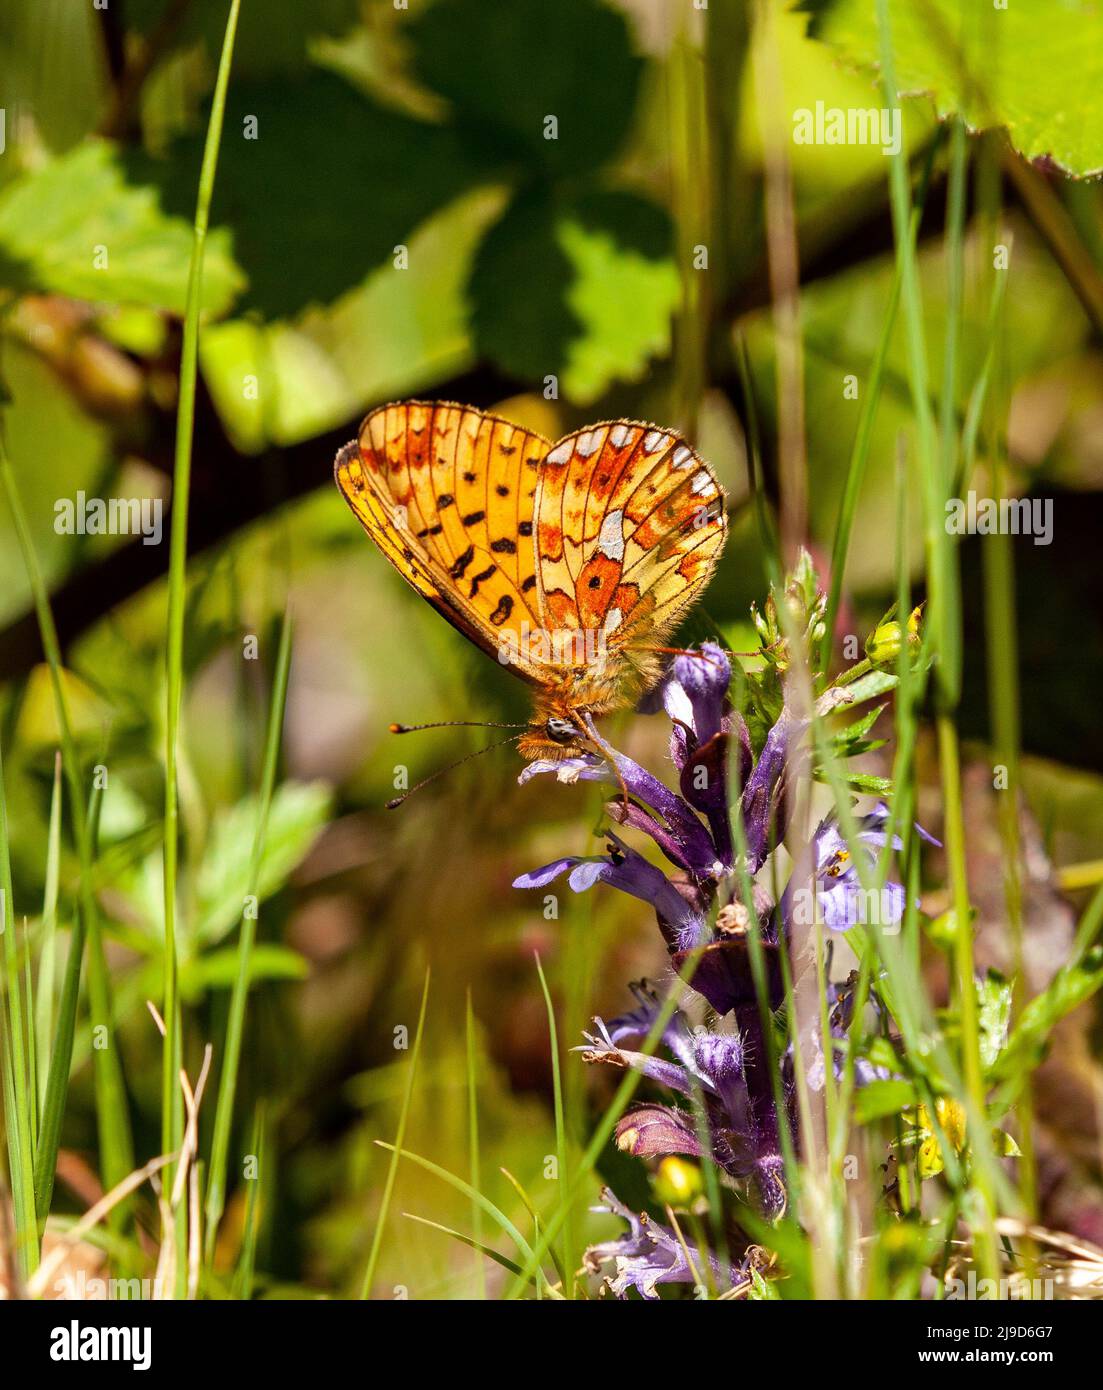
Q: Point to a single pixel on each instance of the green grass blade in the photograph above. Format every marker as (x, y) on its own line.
(396, 1150)
(112, 1114)
(243, 1276)
(19, 1098)
(567, 1247)
(495, 1213)
(235, 1025)
(171, 1104)
(47, 946)
(476, 1245)
(473, 1133)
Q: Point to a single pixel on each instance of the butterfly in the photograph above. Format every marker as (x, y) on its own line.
(568, 561)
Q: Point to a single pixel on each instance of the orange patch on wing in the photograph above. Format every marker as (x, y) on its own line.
(561, 609)
(551, 541)
(596, 584)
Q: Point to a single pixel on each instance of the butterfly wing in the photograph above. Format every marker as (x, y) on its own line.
(447, 493)
(629, 525)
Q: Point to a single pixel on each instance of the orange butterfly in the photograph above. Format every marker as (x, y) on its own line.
(570, 562)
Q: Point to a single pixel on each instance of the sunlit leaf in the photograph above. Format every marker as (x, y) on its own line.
(1027, 67)
(77, 227)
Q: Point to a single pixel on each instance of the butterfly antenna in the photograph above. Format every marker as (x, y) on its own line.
(398, 800)
(454, 724)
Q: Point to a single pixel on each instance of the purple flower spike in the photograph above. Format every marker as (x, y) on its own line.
(764, 791)
(631, 873)
(694, 693)
(647, 1255)
(838, 895)
(694, 847)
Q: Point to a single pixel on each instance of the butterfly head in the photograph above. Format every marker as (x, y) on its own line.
(554, 737)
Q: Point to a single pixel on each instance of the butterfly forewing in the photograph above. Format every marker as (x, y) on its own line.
(446, 492)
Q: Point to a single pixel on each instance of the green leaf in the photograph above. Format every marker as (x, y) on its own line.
(881, 1098)
(217, 969)
(1028, 67)
(861, 781)
(299, 810)
(77, 227)
(1030, 1037)
(509, 69)
(869, 686)
(320, 184)
(993, 1015)
(600, 289)
(857, 731)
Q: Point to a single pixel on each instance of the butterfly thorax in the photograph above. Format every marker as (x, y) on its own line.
(558, 727)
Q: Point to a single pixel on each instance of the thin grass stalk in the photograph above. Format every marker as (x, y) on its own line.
(112, 1115)
(945, 626)
(783, 263)
(47, 946)
(171, 1104)
(235, 1023)
(691, 170)
(863, 437)
(955, 281)
(396, 1151)
(243, 1275)
(19, 1097)
(471, 1058)
(561, 1147)
(28, 1018)
(943, 601)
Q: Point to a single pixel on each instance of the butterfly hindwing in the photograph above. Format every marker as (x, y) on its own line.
(629, 524)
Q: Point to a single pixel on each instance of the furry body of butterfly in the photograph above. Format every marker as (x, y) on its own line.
(608, 534)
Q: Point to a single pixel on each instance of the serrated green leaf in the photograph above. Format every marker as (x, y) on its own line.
(1034, 67)
(76, 227)
(601, 289)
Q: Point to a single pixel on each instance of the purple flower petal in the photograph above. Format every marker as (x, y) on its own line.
(537, 878)
(586, 767)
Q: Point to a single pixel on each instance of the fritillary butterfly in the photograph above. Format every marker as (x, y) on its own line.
(570, 561)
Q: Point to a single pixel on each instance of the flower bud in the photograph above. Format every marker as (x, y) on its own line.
(883, 644)
(677, 1182)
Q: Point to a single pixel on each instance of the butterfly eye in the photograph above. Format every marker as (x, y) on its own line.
(561, 731)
